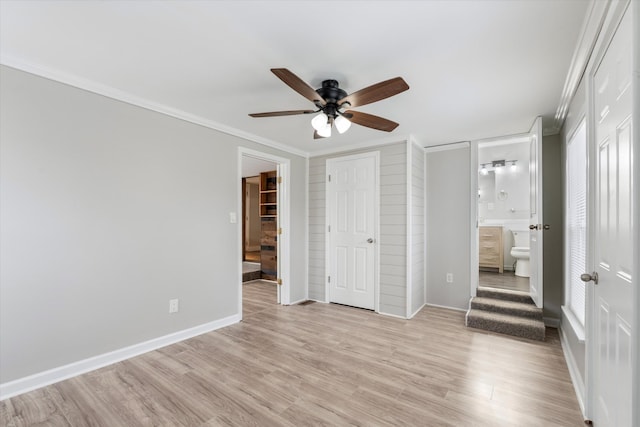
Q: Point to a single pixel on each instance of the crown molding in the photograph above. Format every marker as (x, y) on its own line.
(123, 96)
(587, 38)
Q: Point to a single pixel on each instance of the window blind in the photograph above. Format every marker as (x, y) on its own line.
(577, 220)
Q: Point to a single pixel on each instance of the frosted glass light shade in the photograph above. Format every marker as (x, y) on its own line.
(325, 131)
(319, 122)
(342, 124)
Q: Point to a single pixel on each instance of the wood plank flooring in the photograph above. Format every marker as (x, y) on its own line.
(320, 364)
(506, 280)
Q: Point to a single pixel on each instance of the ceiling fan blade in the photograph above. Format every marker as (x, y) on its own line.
(297, 84)
(371, 121)
(376, 92)
(282, 113)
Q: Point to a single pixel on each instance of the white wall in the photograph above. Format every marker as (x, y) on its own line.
(448, 231)
(107, 212)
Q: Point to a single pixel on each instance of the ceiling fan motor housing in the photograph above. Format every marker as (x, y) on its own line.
(332, 94)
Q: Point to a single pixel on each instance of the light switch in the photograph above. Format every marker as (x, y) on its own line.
(233, 218)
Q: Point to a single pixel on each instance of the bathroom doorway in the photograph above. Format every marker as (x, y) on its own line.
(503, 213)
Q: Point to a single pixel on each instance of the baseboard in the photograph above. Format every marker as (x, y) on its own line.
(574, 372)
(551, 322)
(418, 310)
(51, 376)
(464, 310)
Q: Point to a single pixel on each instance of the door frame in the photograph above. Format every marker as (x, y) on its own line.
(283, 166)
(614, 16)
(474, 276)
(376, 220)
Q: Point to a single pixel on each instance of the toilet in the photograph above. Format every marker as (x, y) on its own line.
(520, 251)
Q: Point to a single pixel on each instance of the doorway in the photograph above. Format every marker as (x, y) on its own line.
(505, 223)
(264, 256)
(503, 206)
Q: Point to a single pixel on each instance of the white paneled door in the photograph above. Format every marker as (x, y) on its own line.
(612, 307)
(352, 211)
(535, 222)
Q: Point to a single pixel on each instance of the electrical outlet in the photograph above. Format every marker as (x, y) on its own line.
(173, 306)
(449, 277)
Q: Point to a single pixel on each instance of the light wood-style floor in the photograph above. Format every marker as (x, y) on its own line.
(506, 280)
(320, 364)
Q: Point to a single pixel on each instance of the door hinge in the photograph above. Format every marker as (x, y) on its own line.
(328, 279)
(279, 282)
(329, 228)
(279, 180)
(279, 230)
(329, 178)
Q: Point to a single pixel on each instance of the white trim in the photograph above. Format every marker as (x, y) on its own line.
(589, 32)
(574, 372)
(446, 147)
(424, 230)
(578, 328)
(306, 228)
(51, 376)
(393, 315)
(409, 240)
(464, 310)
(474, 254)
(417, 311)
(113, 93)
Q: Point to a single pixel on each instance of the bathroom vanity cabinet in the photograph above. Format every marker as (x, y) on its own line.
(490, 248)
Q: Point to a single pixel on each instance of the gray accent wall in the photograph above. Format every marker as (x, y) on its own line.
(393, 227)
(448, 230)
(107, 211)
(552, 214)
(417, 218)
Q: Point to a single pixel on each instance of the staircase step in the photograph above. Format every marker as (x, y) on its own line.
(505, 294)
(506, 324)
(507, 307)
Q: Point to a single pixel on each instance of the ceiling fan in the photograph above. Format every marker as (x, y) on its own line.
(331, 101)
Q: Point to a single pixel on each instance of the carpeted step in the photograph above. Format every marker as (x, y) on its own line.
(506, 324)
(505, 294)
(507, 307)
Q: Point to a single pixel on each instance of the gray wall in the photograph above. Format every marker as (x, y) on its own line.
(417, 228)
(448, 230)
(552, 214)
(393, 227)
(107, 211)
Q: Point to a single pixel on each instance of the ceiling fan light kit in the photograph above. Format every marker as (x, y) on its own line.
(330, 101)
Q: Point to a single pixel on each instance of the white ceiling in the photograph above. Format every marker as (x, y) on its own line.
(476, 69)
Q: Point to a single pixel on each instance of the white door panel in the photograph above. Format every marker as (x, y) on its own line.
(535, 221)
(613, 240)
(352, 222)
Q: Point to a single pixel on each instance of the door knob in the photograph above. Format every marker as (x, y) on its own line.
(546, 226)
(586, 277)
(533, 227)
(369, 240)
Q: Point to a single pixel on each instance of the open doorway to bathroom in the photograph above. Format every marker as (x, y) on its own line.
(503, 211)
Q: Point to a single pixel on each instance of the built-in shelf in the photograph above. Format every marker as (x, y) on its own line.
(268, 194)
